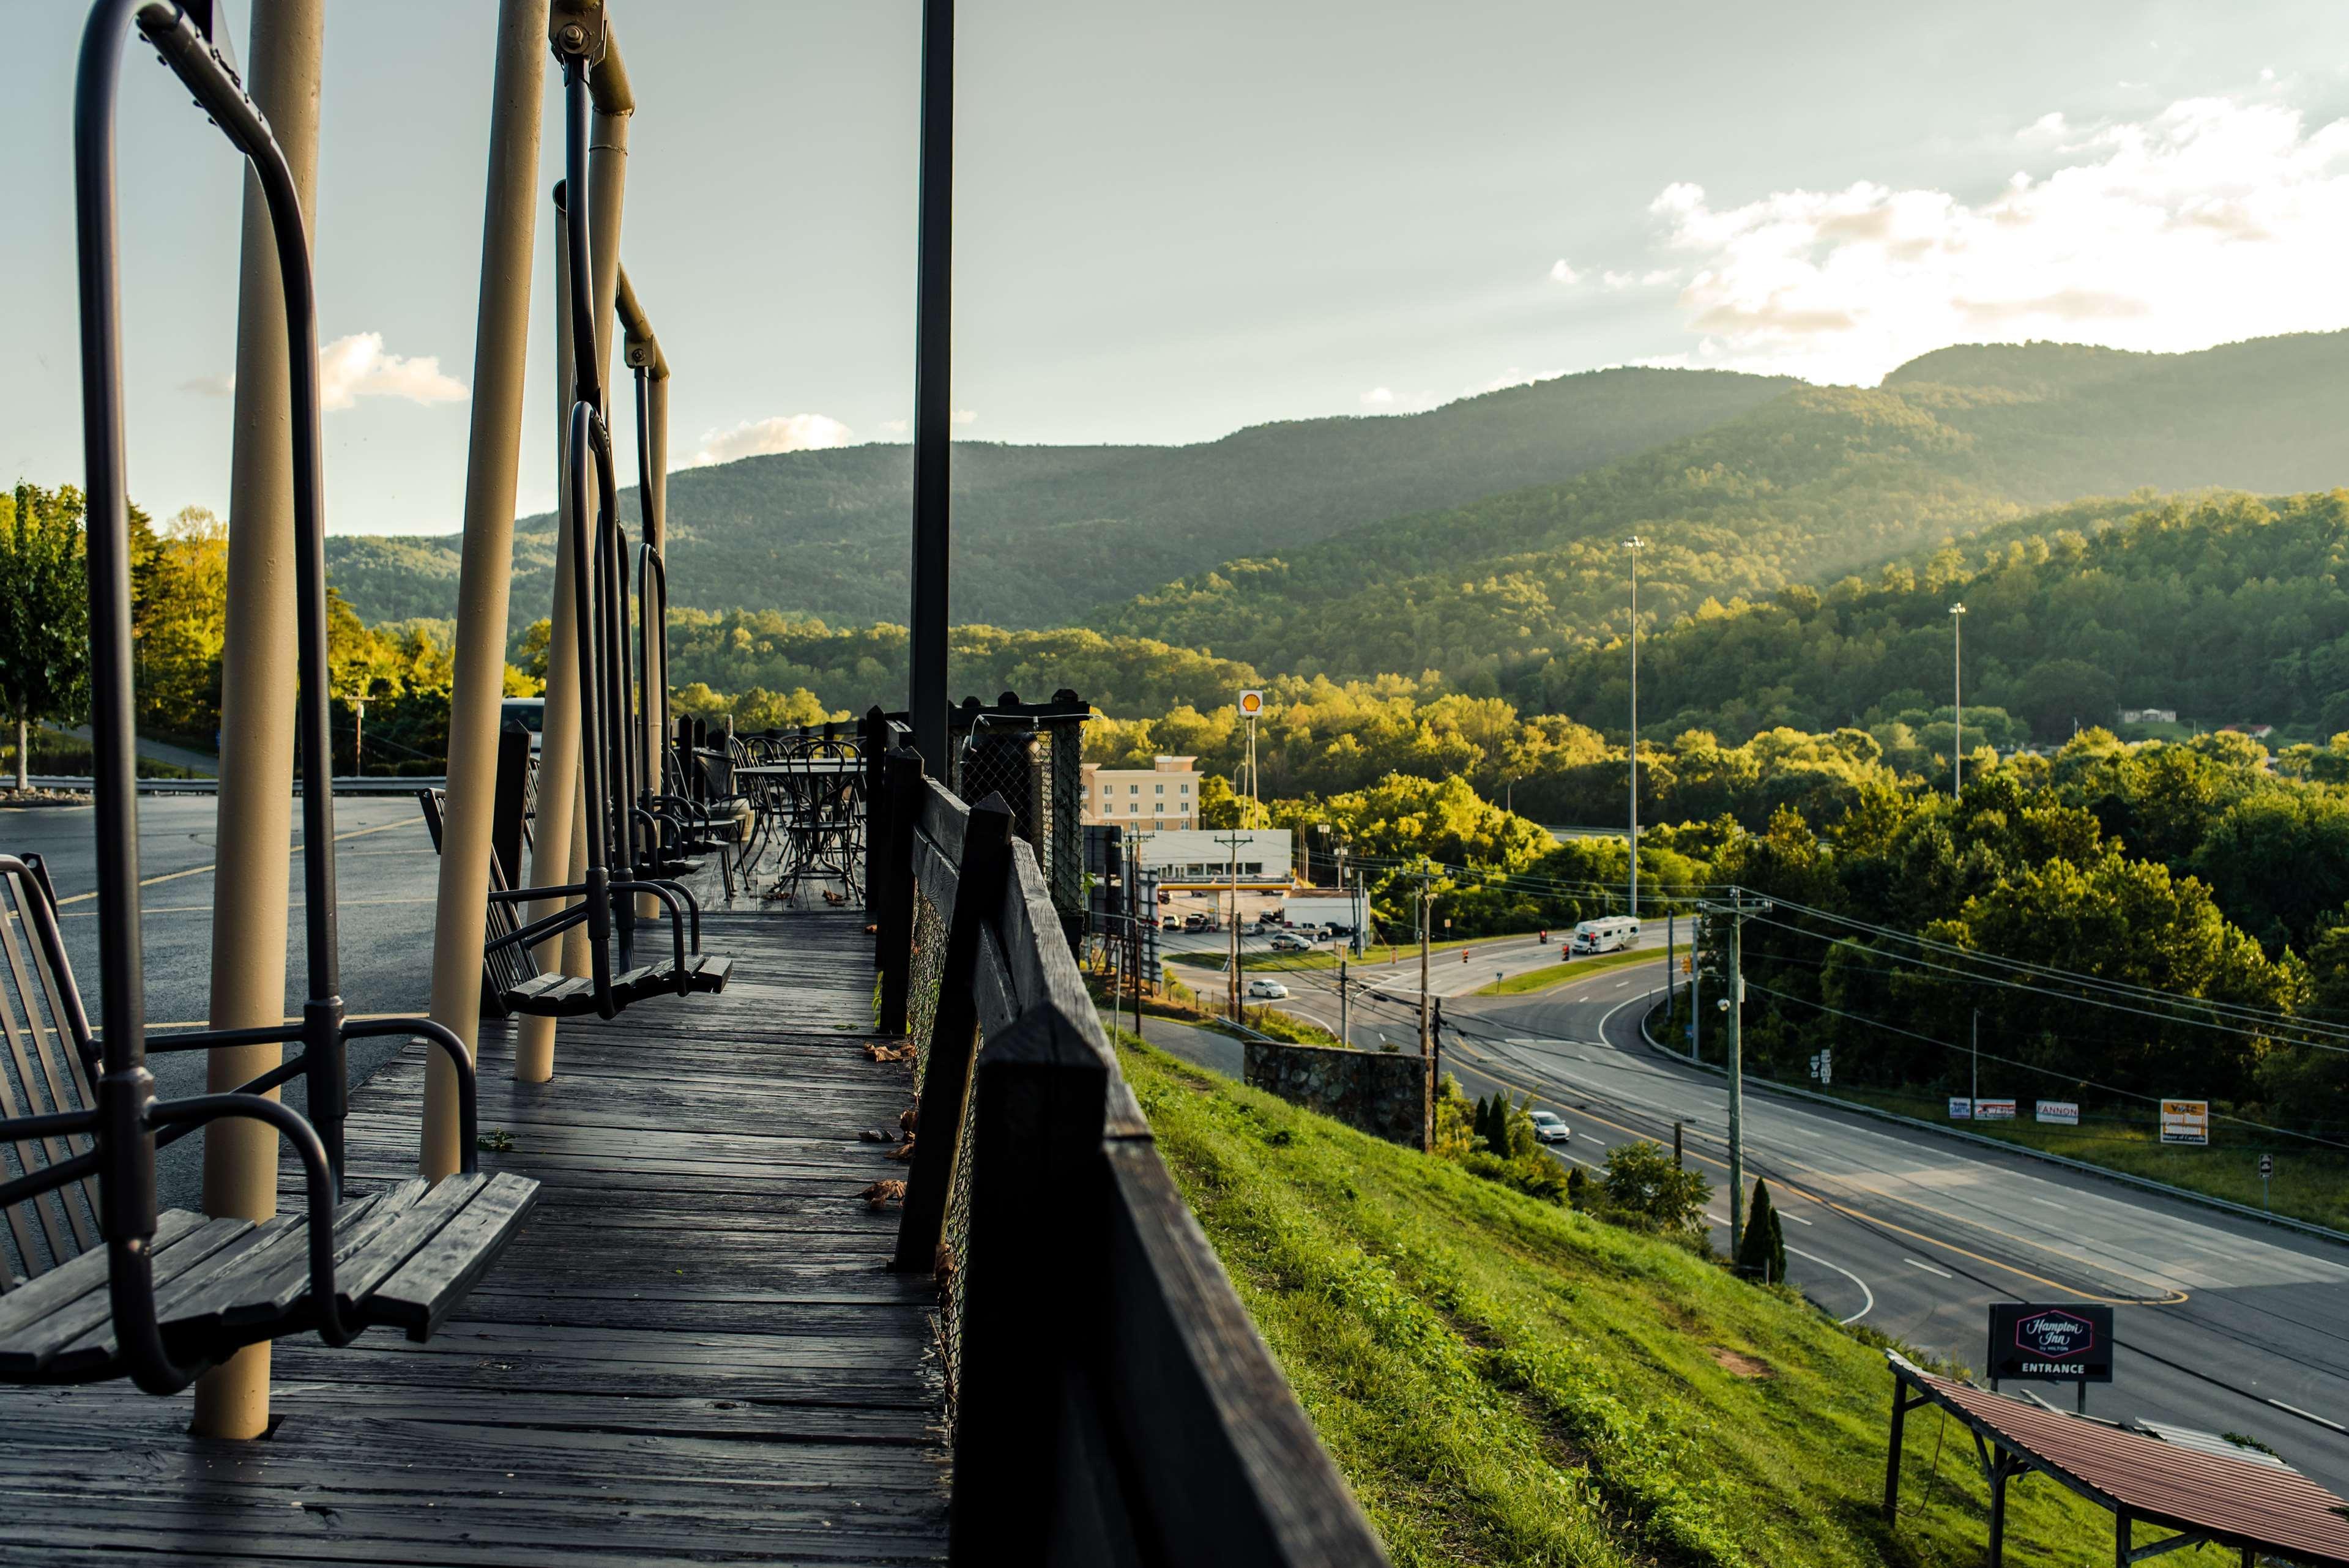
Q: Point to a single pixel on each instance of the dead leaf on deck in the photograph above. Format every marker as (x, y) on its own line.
(903, 1152)
(882, 1194)
(880, 1053)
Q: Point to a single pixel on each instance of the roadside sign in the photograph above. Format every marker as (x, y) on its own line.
(1993, 1110)
(2059, 1112)
(2069, 1342)
(1961, 1108)
(1251, 704)
(1826, 1066)
(2186, 1121)
(2267, 1164)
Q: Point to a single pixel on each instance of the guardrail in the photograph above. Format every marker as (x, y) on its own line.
(1110, 1399)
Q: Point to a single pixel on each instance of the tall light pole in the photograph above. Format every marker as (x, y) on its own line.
(1635, 544)
(1956, 700)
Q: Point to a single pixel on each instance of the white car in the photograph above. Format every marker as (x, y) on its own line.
(1549, 1128)
(1285, 942)
(1266, 990)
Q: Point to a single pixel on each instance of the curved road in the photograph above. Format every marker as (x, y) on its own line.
(2223, 1324)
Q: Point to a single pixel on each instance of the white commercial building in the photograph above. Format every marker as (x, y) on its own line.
(1143, 799)
(1203, 857)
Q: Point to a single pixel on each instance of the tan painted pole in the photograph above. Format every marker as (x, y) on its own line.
(500, 347)
(559, 853)
(258, 671)
(558, 753)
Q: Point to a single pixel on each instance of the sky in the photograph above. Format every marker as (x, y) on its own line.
(1173, 222)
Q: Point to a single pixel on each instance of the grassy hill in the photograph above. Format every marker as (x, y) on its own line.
(2226, 608)
(1044, 533)
(1813, 483)
(1503, 1381)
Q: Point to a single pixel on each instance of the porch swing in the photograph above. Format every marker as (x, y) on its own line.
(109, 1287)
(615, 805)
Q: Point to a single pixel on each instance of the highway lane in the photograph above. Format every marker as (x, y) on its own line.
(2221, 1321)
(387, 874)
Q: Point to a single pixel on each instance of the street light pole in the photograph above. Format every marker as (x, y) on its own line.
(1635, 544)
(1956, 700)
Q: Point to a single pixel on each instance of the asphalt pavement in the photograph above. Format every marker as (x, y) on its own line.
(386, 877)
(2222, 1323)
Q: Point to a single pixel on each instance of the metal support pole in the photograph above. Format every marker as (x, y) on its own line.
(1426, 904)
(1998, 1479)
(485, 576)
(258, 671)
(933, 394)
(559, 852)
(1737, 1076)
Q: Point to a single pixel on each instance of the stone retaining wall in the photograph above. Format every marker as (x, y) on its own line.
(1383, 1093)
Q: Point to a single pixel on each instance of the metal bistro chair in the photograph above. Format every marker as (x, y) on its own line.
(109, 1285)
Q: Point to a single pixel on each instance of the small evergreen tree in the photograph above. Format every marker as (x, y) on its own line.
(1761, 1251)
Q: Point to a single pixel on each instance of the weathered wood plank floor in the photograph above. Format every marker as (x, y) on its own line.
(692, 1354)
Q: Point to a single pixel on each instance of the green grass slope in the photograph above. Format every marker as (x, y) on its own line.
(1506, 1382)
(1043, 533)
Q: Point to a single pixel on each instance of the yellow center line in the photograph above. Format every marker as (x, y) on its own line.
(199, 870)
(2174, 1298)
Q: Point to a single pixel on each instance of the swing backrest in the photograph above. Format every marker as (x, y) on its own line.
(46, 1058)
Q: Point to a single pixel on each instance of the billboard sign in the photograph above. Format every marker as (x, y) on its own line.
(1961, 1108)
(1993, 1110)
(2066, 1342)
(2186, 1121)
(2060, 1112)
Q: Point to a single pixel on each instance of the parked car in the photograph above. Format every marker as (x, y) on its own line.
(1266, 990)
(1550, 1129)
(1172, 922)
(1196, 922)
(1285, 942)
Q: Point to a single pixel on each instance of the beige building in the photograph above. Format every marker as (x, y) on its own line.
(1162, 796)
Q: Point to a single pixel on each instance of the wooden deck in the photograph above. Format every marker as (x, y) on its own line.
(693, 1354)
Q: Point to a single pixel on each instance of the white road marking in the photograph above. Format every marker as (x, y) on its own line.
(1866, 1295)
(1928, 1268)
(2306, 1415)
(1797, 1218)
(2051, 1203)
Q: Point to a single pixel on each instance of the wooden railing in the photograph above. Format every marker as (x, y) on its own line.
(1112, 1402)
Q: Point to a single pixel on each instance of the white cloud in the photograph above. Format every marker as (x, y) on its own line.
(2212, 220)
(1377, 396)
(894, 427)
(353, 367)
(1559, 273)
(1386, 400)
(757, 438)
(964, 416)
(1619, 280)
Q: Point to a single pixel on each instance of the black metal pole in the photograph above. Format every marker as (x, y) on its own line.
(933, 394)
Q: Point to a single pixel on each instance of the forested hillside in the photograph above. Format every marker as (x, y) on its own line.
(1813, 483)
(1042, 534)
(2228, 610)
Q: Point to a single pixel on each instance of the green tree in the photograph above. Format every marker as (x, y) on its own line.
(43, 613)
(1761, 1251)
(1642, 1181)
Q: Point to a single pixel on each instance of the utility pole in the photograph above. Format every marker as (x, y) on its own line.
(1956, 700)
(1435, 1053)
(1635, 544)
(1345, 1022)
(1671, 972)
(1233, 965)
(1426, 907)
(1741, 905)
(1135, 915)
(1973, 1092)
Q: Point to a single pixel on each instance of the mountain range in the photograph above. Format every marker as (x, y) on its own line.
(1045, 534)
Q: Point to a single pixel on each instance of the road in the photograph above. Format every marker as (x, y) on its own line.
(2223, 1324)
(386, 875)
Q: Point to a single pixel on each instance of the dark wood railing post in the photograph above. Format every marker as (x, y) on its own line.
(509, 800)
(902, 797)
(954, 1035)
(1033, 1292)
(872, 734)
